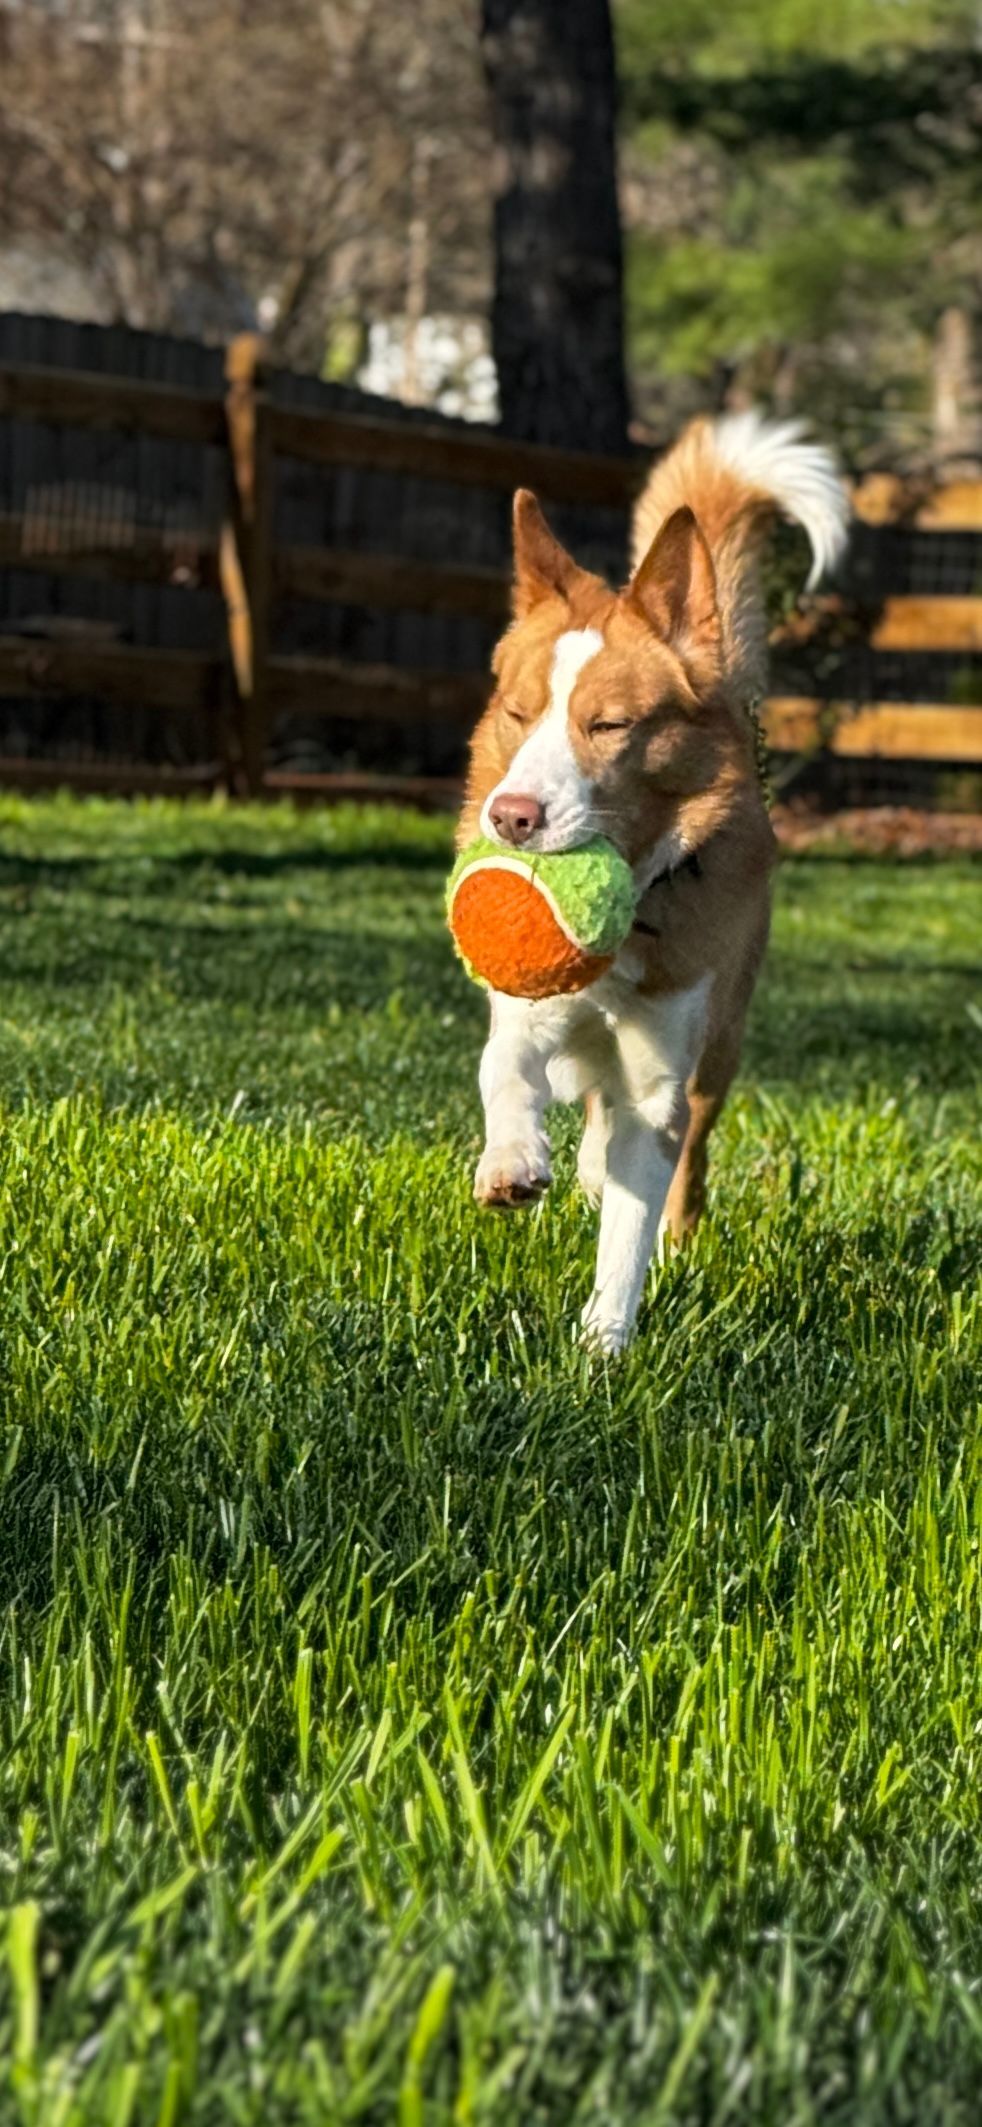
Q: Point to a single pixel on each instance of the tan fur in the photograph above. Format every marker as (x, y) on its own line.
(733, 518)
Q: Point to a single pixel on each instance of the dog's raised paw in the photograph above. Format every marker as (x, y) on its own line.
(512, 1179)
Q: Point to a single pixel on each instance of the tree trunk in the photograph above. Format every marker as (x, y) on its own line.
(956, 397)
(557, 317)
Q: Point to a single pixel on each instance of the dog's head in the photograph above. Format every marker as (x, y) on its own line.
(600, 719)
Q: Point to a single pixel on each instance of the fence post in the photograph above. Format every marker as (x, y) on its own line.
(246, 546)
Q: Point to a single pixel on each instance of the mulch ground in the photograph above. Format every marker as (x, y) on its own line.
(880, 830)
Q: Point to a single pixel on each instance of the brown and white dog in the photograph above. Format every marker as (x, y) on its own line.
(627, 714)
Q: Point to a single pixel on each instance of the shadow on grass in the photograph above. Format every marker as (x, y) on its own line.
(243, 862)
(802, 1027)
(878, 860)
(910, 968)
(865, 1043)
(297, 966)
(72, 872)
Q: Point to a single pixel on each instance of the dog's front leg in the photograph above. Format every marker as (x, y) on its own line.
(642, 1153)
(515, 1167)
(656, 1043)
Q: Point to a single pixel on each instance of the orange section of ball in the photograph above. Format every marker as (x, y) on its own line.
(506, 929)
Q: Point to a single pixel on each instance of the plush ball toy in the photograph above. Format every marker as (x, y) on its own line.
(539, 925)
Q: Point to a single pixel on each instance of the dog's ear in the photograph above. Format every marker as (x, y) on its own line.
(543, 568)
(674, 590)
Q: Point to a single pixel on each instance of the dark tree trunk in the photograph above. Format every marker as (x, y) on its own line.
(557, 320)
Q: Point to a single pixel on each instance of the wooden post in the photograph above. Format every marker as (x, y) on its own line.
(956, 396)
(246, 546)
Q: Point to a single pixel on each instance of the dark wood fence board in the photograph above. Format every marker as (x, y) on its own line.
(122, 779)
(141, 557)
(42, 395)
(432, 793)
(336, 575)
(173, 680)
(467, 460)
(323, 686)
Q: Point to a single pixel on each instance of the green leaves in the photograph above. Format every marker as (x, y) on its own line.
(801, 203)
(22, 1935)
(426, 2031)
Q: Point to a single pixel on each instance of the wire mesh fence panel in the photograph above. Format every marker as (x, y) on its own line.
(386, 575)
(107, 499)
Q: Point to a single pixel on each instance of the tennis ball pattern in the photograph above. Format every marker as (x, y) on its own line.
(535, 924)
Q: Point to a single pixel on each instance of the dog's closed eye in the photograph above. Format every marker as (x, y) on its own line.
(514, 710)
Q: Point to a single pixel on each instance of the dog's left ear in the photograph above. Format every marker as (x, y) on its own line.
(543, 569)
(674, 590)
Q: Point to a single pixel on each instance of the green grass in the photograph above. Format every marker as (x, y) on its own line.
(402, 1719)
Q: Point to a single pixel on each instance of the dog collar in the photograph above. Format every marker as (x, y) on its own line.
(691, 864)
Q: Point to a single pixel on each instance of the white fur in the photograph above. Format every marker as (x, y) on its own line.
(515, 1089)
(545, 766)
(656, 1042)
(637, 1054)
(802, 477)
(639, 1164)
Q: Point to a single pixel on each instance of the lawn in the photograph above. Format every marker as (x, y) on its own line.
(404, 1719)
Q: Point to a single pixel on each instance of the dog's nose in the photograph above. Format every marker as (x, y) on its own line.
(515, 816)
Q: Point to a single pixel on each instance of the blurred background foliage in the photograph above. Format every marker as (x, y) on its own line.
(800, 183)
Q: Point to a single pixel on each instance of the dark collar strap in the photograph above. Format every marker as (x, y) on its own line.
(690, 864)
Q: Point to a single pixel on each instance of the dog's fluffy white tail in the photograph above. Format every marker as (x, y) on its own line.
(736, 474)
(803, 479)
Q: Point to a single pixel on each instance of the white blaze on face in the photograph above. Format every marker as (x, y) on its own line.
(545, 766)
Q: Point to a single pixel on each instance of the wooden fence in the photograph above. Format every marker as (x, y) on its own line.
(235, 692)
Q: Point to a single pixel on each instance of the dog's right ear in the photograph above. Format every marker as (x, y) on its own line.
(675, 592)
(543, 569)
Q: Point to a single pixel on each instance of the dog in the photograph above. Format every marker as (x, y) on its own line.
(632, 714)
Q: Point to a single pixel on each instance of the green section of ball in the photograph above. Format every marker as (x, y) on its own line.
(592, 887)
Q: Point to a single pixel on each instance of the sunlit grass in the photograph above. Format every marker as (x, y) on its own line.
(403, 1720)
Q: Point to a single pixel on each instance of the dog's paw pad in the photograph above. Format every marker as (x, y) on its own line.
(511, 1181)
(512, 1196)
